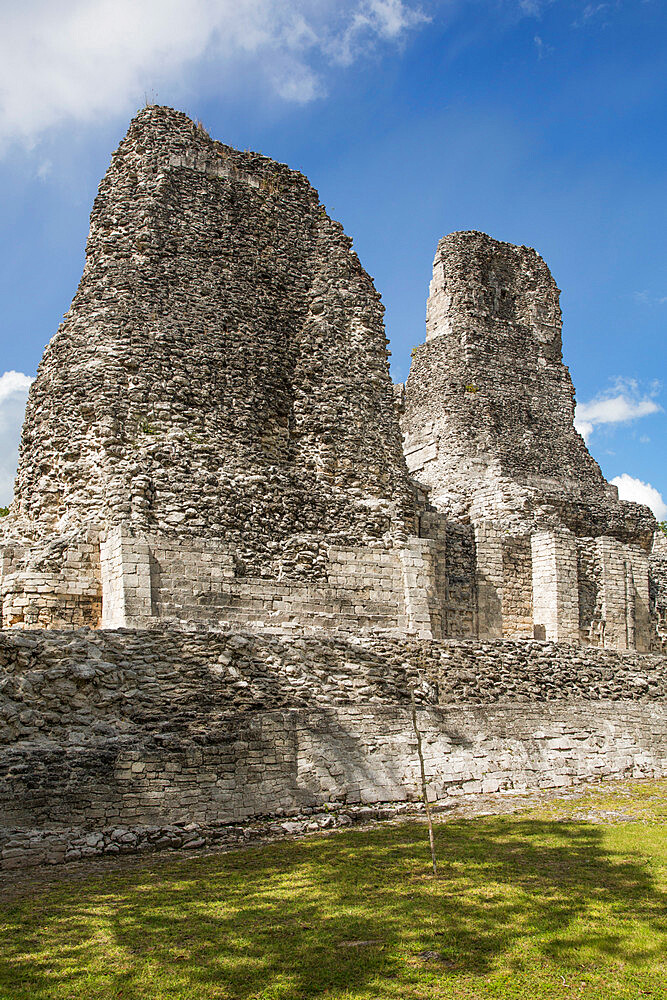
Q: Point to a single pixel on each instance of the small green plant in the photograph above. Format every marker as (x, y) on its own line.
(147, 428)
(413, 352)
(471, 388)
(662, 525)
(4, 511)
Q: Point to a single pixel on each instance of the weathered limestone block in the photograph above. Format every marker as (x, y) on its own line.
(51, 582)
(658, 584)
(490, 578)
(555, 590)
(126, 579)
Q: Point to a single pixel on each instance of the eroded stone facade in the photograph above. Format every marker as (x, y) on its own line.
(212, 435)
(212, 471)
(114, 741)
(488, 423)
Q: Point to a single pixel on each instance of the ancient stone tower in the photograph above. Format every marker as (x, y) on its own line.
(222, 371)
(211, 434)
(488, 413)
(212, 459)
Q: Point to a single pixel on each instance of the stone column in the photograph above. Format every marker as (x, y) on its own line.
(417, 562)
(555, 586)
(489, 555)
(126, 579)
(625, 600)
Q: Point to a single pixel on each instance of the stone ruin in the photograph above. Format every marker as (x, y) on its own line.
(488, 423)
(238, 550)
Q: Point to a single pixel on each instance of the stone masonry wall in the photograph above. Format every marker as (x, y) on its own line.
(52, 583)
(425, 587)
(222, 371)
(117, 739)
(488, 411)
(361, 588)
(658, 580)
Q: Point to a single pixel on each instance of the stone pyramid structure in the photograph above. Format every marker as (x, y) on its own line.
(488, 421)
(222, 370)
(212, 437)
(216, 406)
(274, 593)
(488, 390)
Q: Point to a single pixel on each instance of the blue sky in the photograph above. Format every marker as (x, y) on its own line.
(541, 122)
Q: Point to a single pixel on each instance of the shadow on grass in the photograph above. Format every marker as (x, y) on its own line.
(296, 919)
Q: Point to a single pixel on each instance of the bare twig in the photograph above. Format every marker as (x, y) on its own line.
(423, 777)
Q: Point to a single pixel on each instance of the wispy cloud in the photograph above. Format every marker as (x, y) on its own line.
(633, 489)
(542, 48)
(592, 12)
(533, 8)
(77, 60)
(646, 298)
(619, 405)
(386, 19)
(13, 395)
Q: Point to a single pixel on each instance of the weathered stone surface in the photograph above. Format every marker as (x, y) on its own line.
(658, 581)
(489, 404)
(488, 422)
(222, 370)
(123, 740)
(211, 469)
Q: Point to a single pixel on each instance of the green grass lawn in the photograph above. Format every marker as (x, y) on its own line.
(548, 903)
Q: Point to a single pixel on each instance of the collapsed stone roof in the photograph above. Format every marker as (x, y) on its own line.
(223, 368)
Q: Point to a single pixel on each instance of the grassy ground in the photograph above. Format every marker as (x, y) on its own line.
(565, 900)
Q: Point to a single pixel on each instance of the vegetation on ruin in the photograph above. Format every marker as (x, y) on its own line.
(663, 526)
(563, 900)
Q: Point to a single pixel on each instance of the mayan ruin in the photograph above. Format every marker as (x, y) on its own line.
(236, 550)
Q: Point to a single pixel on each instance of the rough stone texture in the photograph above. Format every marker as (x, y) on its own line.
(53, 582)
(658, 581)
(161, 738)
(222, 370)
(425, 587)
(489, 404)
(488, 422)
(212, 442)
(212, 435)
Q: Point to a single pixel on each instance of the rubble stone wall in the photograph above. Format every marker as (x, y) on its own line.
(52, 583)
(223, 369)
(141, 734)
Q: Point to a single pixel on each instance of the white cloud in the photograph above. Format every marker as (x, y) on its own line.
(386, 19)
(619, 406)
(534, 8)
(646, 299)
(44, 169)
(634, 489)
(78, 60)
(13, 395)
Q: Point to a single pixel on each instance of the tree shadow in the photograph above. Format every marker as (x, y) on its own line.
(298, 919)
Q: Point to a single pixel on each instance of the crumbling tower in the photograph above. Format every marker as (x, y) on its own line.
(211, 435)
(488, 416)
